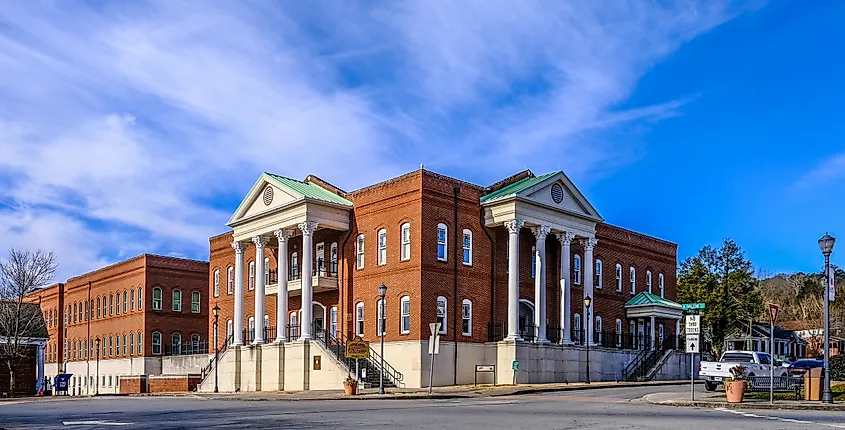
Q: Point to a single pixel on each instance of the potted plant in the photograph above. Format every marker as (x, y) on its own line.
(350, 386)
(736, 385)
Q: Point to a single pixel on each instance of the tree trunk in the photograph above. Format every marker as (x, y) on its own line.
(11, 383)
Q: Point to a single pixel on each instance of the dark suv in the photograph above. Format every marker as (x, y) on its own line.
(800, 367)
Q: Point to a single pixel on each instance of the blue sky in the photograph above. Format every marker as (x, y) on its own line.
(137, 127)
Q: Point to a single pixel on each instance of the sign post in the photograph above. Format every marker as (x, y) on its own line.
(773, 309)
(693, 344)
(358, 348)
(433, 349)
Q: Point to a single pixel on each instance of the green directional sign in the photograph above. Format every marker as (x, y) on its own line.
(692, 306)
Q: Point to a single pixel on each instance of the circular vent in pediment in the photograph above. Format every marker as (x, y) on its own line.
(268, 196)
(557, 193)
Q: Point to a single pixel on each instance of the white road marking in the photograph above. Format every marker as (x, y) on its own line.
(774, 418)
(95, 423)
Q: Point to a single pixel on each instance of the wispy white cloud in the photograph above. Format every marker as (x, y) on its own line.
(137, 126)
(828, 170)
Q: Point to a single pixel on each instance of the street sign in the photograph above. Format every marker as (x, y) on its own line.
(693, 344)
(831, 287)
(358, 348)
(693, 325)
(515, 365)
(692, 306)
(434, 339)
(773, 310)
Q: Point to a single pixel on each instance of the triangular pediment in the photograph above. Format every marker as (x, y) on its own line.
(265, 195)
(557, 191)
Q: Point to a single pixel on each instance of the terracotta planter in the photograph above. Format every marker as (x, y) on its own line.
(735, 390)
(350, 388)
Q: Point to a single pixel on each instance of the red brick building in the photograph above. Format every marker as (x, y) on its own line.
(135, 310)
(442, 248)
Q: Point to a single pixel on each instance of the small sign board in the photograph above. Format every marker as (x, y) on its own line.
(485, 367)
(515, 365)
(831, 286)
(773, 310)
(317, 362)
(358, 348)
(692, 306)
(434, 339)
(693, 344)
(693, 325)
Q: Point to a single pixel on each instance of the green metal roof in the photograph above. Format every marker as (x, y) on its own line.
(309, 190)
(646, 298)
(516, 188)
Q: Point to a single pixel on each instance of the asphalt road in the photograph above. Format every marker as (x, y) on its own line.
(595, 409)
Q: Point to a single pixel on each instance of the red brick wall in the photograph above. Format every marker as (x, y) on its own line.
(173, 384)
(51, 300)
(133, 384)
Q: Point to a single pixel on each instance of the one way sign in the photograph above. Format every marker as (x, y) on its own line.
(692, 345)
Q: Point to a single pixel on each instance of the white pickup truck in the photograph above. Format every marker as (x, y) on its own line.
(756, 364)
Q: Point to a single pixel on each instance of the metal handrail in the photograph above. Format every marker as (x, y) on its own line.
(336, 343)
(207, 369)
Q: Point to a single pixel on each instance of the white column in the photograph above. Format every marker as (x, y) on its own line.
(540, 233)
(307, 229)
(677, 333)
(513, 227)
(259, 242)
(239, 294)
(565, 239)
(39, 370)
(651, 333)
(282, 292)
(589, 243)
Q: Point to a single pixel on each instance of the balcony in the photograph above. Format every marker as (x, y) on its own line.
(323, 278)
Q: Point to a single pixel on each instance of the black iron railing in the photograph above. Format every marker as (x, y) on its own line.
(321, 268)
(336, 344)
(222, 348)
(248, 336)
(186, 348)
(495, 332)
(553, 334)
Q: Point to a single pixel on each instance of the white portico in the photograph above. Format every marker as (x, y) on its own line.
(548, 204)
(276, 209)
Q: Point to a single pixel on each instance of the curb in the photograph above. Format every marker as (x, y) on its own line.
(750, 405)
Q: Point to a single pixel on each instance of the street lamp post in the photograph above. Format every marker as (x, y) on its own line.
(826, 243)
(382, 291)
(587, 302)
(97, 382)
(216, 311)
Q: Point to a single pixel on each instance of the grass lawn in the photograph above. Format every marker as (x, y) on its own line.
(838, 394)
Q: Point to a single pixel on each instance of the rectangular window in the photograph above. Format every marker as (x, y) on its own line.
(132, 300)
(406, 242)
(577, 280)
(618, 278)
(467, 248)
(406, 314)
(598, 274)
(648, 280)
(533, 261)
(195, 302)
(230, 280)
(359, 251)
(266, 271)
(359, 319)
(140, 299)
(216, 280)
(441, 314)
(125, 301)
(441, 242)
(251, 275)
(177, 301)
(466, 318)
(156, 300)
(382, 247)
(333, 321)
(111, 305)
(632, 273)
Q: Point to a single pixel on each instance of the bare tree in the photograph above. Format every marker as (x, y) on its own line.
(22, 273)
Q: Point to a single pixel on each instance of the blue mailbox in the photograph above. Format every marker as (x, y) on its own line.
(62, 383)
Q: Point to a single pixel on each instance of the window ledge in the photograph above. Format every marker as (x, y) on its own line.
(405, 333)
(468, 264)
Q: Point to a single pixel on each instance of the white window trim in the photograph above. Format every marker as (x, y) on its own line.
(360, 319)
(155, 308)
(198, 302)
(577, 269)
(466, 302)
(443, 327)
(632, 274)
(251, 281)
(445, 242)
(381, 246)
(402, 315)
(618, 278)
(599, 324)
(359, 251)
(155, 334)
(405, 242)
(176, 305)
(599, 276)
(230, 280)
(464, 247)
(216, 282)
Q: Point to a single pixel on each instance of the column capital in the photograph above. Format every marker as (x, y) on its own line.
(514, 225)
(282, 234)
(259, 241)
(589, 243)
(238, 247)
(307, 227)
(565, 237)
(541, 231)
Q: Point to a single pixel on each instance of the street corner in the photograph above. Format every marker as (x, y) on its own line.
(715, 401)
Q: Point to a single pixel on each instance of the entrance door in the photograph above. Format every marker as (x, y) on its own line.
(320, 258)
(641, 333)
(319, 316)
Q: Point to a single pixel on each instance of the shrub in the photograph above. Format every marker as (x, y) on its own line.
(837, 368)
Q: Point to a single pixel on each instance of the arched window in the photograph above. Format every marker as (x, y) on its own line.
(660, 285)
(598, 274)
(124, 344)
(442, 241)
(333, 321)
(132, 343)
(156, 299)
(577, 270)
(140, 343)
(117, 303)
(216, 282)
(632, 273)
(195, 343)
(111, 304)
(111, 346)
(599, 327)
(230, 280)
(176, 340)
(294, 266)
(266, 270)
(576, 328)
(648, 280)
(105, 346)
(132, 300)
(380, 318)
(177, 300)
(251, 275)
(405, 238)
(251, 329)
(156, 343)
(141, 298)
(98, 307)
(74, 313)
(441, 313)
(660, 333)
(359, 319)
(125, 301)
(381, 257)
(293, 327)
(85, 315)
(467, 247)
(359, 251)
(229, 332)
(195, 302)
(405, 312)
(618, 333)
(117, 345)
(466, 317)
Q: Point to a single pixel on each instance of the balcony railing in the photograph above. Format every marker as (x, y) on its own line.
(323, 268)
(602, 339)
(186, 348)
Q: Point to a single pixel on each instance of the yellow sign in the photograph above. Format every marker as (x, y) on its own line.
(358, 348)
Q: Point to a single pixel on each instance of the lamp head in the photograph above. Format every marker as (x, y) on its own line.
(826, 243)
(97, 340)
(382, 290)
(215, 310)
(587, 301)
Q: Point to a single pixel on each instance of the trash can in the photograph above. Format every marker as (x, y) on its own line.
(813, 384)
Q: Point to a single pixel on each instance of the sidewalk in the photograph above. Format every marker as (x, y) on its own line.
(718, 400)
